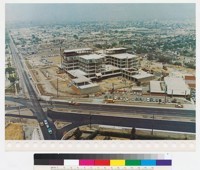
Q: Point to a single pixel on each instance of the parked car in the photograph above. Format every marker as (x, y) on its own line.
(179, 105)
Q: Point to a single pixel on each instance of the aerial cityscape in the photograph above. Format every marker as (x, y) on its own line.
(100, 72)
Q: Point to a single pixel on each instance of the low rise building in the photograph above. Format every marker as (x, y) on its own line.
(172, 86)
(176, 86)
(190, 80)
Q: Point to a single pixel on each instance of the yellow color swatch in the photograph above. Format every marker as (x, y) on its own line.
(117, 162)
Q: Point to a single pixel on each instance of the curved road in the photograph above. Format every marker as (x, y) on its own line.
(117, 108)
(82, 119)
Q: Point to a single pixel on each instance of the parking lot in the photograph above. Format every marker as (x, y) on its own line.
(193, 95)
(138, 97)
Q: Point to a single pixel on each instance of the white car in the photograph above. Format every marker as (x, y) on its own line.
(46, 123)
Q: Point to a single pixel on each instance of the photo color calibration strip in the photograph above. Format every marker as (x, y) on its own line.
(102, 161)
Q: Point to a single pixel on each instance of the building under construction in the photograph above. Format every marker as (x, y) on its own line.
(85, 65)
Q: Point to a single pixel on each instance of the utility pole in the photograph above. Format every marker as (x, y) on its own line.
(47, 105)
(57, 86)
(90, 119)
(165, 94)
(19, 114)
(60, 58)
(152, 125)
(113, 89)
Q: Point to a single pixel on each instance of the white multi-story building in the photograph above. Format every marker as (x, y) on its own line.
(85, 65)
(113, 61)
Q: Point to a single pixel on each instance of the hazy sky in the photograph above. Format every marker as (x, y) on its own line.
(97, 12)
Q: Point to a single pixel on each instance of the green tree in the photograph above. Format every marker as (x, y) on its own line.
(190, 65)
(10, 70)
(75, 37)
(114, 44)
(12, 79)
(133, 133)
(77, 133)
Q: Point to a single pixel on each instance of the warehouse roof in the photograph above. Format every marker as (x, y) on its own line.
(157, 87)
(176, 86)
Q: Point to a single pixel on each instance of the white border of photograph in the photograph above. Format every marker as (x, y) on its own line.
(96, 146)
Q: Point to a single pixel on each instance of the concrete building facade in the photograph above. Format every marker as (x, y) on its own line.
(171, 86)
(84, 65)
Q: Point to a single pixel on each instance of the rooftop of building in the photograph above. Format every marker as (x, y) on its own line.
(175, 82)
(136, 88)
(157, 87)
(76, 72)
(190, 77)
(110, 67)
(91, 57)
(116, 49)
(176, 85)
(78, 50)
(81, 79)
(123, 56)
(142, 75)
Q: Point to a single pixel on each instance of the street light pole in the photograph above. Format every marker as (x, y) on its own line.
(152, 125)
(57, 86)
(113, 90)
(19, 114)
(90, 119)
(47, 105)
(60, 58)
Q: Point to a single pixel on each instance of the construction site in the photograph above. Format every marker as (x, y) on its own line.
(51, 80)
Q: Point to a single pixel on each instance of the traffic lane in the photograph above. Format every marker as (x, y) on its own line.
(124, 122)
(36, 106)
(129, 109)
(16, 100)
(124, 109)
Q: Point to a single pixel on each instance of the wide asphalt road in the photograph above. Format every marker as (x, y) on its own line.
(127, 109)
(36, 107)
(113, 108)
(82, 119)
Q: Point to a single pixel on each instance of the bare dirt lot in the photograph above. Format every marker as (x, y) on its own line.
(104, 133)
(14, 131)
(45, 74)
(117, 82)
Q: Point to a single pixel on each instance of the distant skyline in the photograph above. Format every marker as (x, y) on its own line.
(59, 13)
